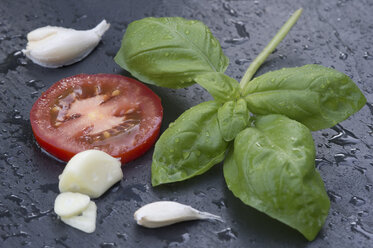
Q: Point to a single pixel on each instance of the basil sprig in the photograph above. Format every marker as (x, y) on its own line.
(265, 123)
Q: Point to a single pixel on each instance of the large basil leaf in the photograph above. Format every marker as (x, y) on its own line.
(170, 51)
(190, 146)
(220, 86)
(272, 169)
(314, 95)
(233, 117)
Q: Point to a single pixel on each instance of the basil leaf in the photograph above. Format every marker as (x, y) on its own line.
(220, 86)
(272, 169)
(190, 146)
(314, 95)
(170, 51)
(233, 117)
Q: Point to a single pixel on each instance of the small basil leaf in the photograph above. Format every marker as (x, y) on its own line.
(190, 146)
(233, 117)
(314, 95)
(272, 169)
(170, 51)
(220, 86)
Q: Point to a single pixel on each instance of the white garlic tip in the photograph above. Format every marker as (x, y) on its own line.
(91, 172)
(69, 204)
(54, 47)
(85, 222)
(164, 213)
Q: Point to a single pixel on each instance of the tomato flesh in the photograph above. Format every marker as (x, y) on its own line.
(112, 113)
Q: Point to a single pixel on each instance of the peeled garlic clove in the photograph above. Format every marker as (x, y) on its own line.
(57, 46)
(164, 213)
(91, 172)
(85, 222)
(69, 204)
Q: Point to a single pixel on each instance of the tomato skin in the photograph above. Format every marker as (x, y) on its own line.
(49, 137)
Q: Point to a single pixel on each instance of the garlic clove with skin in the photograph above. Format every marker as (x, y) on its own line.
(54, 47)
(164, 213)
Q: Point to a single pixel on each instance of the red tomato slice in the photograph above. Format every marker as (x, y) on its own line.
(112, 113)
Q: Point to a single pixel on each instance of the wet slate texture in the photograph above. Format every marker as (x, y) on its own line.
(336, 34)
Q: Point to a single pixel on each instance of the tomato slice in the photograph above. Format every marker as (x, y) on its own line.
(112, 113)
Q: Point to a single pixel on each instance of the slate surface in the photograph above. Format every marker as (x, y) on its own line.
(336, 34)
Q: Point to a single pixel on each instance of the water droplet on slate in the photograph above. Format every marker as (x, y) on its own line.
(230, 10)
(227, 234)
(359, 228)
(368, 56)
(369, 187)
(360, 169)
(35, 84)
(343, 56)
(345, 159)
(220, 203)
(200, 193)
(321, 162)
(108, 245)
(362, 213)
(20, 234)
(235, 41)
(241, 61)
(334, 197)
(122, 236)
(14, 198)
(357, 201)
(343, 136)
(241, 29)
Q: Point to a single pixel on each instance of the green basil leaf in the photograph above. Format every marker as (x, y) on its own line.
(170, 51)
(272, 169)
(190, 146)
(233, 117)
(220, 86)
(314, 95)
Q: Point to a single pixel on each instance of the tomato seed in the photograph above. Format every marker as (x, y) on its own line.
(106, 134)
(115, 93)
(56, 109)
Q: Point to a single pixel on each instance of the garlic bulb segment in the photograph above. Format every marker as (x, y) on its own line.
(90, 172)
(69, 204)
(164, 213)
(85, 222)
(54, 47)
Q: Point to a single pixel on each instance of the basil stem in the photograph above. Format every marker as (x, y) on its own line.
(259, 60)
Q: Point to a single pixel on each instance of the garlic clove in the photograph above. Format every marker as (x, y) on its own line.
(164, 213)
(54, 47)
(90, 172)
(69, 204)
(41, 33)
(85, 222)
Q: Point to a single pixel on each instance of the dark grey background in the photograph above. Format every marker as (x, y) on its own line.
(336, 34)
